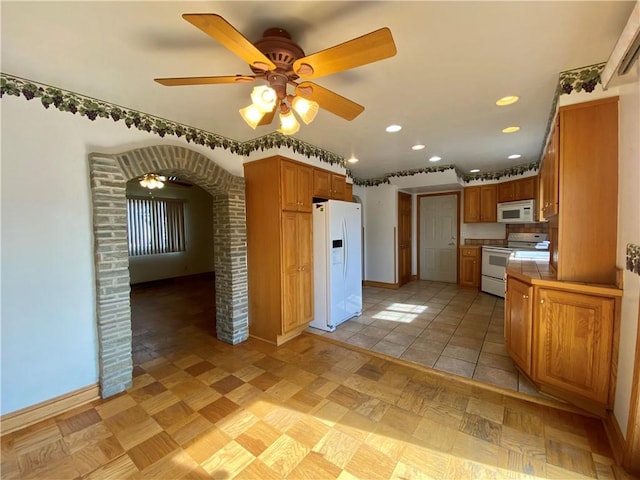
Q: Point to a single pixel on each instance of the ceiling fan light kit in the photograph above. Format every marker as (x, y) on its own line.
(252, 115)
(288, 123)
(277, 59)
(152, 181)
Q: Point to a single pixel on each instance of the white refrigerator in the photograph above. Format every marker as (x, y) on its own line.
(337, 263)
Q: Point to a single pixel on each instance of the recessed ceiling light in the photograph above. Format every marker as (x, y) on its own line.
(417, 147)
(353, 160)
(507, 100)
(514, 156)
(475, 170)
(510, 129)
(393, 128)
(435, 158)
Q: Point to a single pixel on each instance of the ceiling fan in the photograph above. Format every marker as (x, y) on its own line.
(153, 181)
(277, 59)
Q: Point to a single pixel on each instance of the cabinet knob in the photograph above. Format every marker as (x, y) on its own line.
(525, 296)
(302, 268)
(542, 301)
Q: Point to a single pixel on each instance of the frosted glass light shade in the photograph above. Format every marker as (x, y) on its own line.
(252, 115)
(307, 109)
(264, 98)
(288, 123)
(152, 181)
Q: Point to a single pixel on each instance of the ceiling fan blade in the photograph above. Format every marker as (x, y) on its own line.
(267, 118)
(368, 48)
(328, 100)
(173, 82)
(178, 183)
(219, 29)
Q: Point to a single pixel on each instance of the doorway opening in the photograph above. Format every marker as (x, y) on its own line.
(109, 174)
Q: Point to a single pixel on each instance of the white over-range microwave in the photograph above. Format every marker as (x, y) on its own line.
(523, 211)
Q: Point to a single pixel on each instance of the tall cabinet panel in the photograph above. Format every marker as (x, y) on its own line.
(579, 191)
(588, 192)
(279, 247)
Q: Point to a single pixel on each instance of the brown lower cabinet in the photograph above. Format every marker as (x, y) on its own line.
(564, 337)
(469, 274)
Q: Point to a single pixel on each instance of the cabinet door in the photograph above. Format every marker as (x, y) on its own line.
(471, 204)
(290, 271)
(506, 192)
(550, 200)
(305, 260)
(348, 193)
(304, 180)
(321, 183)
(297, 270)
(288, 179)
(518, 322)
(573, 343)
(488, 203)
(525, 189)
(338, 186)
(469, 267)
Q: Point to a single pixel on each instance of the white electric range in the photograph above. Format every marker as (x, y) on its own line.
(494, 258)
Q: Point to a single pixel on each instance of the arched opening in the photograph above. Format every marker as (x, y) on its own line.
(109, 175)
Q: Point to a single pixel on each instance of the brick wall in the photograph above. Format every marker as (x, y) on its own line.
(109, 175)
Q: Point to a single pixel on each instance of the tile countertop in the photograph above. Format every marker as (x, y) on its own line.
(539, 272)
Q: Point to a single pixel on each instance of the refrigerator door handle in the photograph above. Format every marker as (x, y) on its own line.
(345, 248)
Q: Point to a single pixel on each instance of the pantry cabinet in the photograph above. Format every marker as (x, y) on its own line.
(279, 247)
(469, 274)
(480, 204)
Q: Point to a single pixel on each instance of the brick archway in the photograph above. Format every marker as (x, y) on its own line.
(109, 175)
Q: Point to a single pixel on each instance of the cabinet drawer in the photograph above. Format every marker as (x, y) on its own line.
(469, 251)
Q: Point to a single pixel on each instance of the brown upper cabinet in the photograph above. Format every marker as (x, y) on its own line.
(521, 189)
(480, 204)
(348, 193)
(328, 185)
(296, 180)
(548, 177)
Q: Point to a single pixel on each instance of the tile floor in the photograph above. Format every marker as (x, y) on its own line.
(310, 409)
(438, 325)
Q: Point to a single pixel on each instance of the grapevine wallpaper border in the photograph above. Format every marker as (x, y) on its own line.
(579, 79)
(633, 258)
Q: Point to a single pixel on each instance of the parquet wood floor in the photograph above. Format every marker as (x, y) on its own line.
(310, 409)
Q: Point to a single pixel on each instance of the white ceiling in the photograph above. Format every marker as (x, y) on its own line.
(454, 60)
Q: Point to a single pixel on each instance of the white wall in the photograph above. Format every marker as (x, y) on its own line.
(49, 338)
(380, 212)
(628, 232)
(198, 257)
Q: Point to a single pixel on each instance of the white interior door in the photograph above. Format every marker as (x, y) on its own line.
(438, 238)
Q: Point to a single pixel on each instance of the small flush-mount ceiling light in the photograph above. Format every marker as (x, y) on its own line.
(507, 100)
(418, 146)
(353, 160)
(510, 129)
(514, 156)
(475, 170)
(393, 128)
(435, 158)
